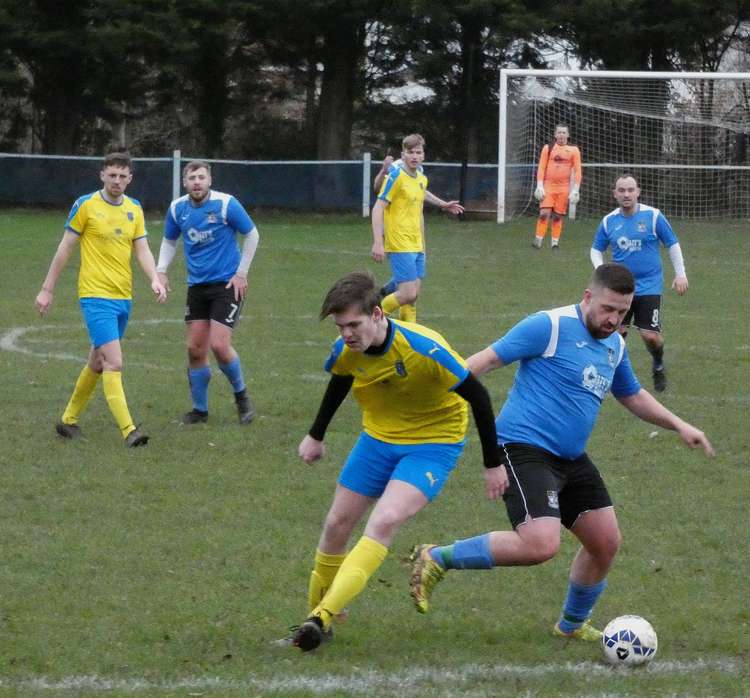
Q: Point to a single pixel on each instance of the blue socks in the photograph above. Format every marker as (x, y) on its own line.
(579, 603)
(233, 372)
(199, 379)
(469, 554)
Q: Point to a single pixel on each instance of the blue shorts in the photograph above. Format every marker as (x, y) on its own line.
(406, 266)
(372, 464)
(105, 318)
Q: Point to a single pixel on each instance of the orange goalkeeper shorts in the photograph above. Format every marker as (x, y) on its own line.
(557, 201)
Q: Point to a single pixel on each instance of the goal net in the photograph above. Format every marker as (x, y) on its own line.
(684, 136)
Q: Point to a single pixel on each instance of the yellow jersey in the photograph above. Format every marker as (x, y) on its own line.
(107, 232)
(404, 194)
(406, 393)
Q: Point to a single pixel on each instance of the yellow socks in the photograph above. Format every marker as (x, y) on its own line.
(324, 571)
(118, 406)
(389, 304)
(82, 393)
(408, 312)
(358, 566)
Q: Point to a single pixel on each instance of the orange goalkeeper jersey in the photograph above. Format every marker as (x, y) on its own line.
(555, 166)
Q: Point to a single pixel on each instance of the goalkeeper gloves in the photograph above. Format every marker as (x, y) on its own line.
(539, 193)
(574, 197)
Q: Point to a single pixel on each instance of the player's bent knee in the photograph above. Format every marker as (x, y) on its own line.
(222, 351)
(384, 526)
(540, 548)
(543, 550)
(197, 353)
(338, 521)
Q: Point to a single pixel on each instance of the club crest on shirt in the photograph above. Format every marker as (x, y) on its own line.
(611, 356)
(130, 216)
(211, 218)
(641, 227)
(552, 499)
(400, 368)
(118, 231)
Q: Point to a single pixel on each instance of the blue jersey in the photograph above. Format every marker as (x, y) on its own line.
(561, 382)
(635, 243)
(208, 235)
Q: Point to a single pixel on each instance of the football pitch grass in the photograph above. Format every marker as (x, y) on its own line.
(171, 569)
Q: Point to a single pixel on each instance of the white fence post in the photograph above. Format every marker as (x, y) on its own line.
(366, 160)
(176, 155)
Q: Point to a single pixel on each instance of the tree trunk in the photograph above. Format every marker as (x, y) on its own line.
(342, 52)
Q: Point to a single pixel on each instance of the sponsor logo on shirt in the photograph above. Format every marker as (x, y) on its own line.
(200, 236)
(593, 382)
(628, 245)
(581, 345)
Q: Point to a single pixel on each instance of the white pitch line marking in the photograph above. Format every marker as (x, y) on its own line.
(415, 681)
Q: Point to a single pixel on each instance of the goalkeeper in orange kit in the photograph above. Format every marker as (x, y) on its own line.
(558, 181)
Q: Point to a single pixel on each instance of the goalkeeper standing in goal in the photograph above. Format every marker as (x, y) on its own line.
(554, 190)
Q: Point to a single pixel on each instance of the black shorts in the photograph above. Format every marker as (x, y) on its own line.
(213, 302)
(644, 313)
(545, 485)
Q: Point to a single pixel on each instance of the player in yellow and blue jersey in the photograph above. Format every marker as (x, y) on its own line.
(398, 227)
(109, 226)
(412, 388)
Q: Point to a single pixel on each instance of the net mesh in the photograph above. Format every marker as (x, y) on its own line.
(687, 141)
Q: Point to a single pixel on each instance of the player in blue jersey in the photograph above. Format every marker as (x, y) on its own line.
(411, 387)
(569, 358)
(634, 231)
(208, 222)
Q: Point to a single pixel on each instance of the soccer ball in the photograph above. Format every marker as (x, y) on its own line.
(629, 641)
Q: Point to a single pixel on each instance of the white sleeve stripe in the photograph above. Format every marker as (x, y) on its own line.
(622, 349)
(554, 316)
(553, 337)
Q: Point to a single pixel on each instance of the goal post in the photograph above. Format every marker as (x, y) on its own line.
(684, 136)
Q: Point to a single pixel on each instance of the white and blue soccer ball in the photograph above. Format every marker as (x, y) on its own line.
(629, 641)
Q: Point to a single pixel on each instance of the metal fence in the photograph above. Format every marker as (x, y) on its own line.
(338, 185)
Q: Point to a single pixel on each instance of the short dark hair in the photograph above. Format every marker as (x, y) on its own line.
(357, 289)
(615, 277)
(195, 165)
(118, 160)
